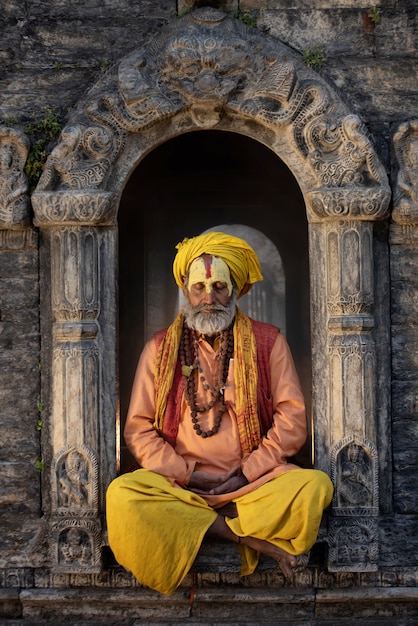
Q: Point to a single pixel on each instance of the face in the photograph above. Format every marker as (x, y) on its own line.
(210, 306)
(209, 281)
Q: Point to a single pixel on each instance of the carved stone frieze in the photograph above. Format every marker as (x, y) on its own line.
(349, 268)
(76, 546)
(405, 200)
(361, 203)
(73, 207)
(352, 385)
(74, 276)
(203, 68)
(74, 486)
(14, 197)
(353, 545)
(19, 239)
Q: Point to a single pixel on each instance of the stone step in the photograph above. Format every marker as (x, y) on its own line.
(214, 607)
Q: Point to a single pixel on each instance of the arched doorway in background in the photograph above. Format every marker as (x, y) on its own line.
(186, 186)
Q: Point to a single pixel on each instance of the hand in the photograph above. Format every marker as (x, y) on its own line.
(213, 484)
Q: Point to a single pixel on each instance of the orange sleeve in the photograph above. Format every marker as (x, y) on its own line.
(150, 450)
(288, 431)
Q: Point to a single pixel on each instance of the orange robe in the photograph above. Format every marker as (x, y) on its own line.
(221, 452)
(156, 525)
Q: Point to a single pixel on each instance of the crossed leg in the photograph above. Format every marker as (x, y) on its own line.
(220, 530)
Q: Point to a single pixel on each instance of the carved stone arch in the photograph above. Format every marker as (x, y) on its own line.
(207, 70)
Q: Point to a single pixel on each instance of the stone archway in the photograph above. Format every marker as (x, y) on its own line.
(207, 70)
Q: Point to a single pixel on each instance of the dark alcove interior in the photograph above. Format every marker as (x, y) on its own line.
(188, 185)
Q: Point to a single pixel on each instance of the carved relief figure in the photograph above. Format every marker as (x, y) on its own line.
(73, 481)
(354, 473)
(14, 199)
(75, 547)
(353, 545)
(406, 194)
(81, 160)
(355, 488)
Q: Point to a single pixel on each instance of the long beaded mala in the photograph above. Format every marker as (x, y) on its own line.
(188, 352)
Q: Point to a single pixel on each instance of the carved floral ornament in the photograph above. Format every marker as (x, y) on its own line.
(204, 69)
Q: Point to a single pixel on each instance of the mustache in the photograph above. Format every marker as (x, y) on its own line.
(209, 307)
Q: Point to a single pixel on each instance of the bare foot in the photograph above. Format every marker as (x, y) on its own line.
(285, 560)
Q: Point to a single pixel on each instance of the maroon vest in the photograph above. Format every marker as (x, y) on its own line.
(265, 336)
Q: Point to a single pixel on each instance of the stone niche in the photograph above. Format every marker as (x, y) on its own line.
(207, 71)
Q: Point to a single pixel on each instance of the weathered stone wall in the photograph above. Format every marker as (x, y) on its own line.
(51, 53)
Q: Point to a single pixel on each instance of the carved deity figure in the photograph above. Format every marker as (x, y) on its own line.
(73, 481)
(355, 484)
(353, 546)
(14, 200)
(75, 547)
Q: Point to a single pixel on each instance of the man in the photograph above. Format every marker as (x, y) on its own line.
(216, 411)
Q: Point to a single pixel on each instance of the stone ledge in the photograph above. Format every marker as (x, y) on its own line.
(218, 604)
(10, 603)
(360, 603)
(307, 606)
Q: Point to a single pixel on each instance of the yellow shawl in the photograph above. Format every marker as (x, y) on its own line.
(245, 372)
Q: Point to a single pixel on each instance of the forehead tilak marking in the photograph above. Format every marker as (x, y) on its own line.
(207, 260)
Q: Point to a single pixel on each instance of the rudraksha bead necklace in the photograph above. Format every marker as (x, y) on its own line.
(189, 359)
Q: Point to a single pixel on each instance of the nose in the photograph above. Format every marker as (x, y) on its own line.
(208, 297)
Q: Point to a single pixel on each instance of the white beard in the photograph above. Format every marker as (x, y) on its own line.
(210, 319)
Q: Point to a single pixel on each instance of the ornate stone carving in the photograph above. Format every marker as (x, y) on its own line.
(14, 198)
(74, 486)
(405, 141)
(82, 159)
(354, 471)
(353, 533)
(204, 67)
(72, 207)
(353, 545)
(342, 155)
(75, 546)
(350, 272)
(357, 203)
(74, 275)
(352, 388)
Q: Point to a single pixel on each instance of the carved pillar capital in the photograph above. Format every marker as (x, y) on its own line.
(56, 209)
(347, 203)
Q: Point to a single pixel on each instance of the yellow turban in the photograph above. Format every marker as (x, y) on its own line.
(237, 254)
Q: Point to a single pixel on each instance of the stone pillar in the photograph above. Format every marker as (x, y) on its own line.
(345, 374)
(78, 237)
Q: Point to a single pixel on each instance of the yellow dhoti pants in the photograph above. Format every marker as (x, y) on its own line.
(155, 529)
